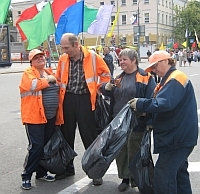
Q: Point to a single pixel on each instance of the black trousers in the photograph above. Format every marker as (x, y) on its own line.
(77, 109)
(38, 135)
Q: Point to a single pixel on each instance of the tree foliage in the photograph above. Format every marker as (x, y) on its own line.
(9, 19)
(187, 18)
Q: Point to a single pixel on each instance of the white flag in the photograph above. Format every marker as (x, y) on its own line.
(134, 19)
(100, 25)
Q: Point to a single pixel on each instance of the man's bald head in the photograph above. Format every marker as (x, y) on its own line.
(69, 37)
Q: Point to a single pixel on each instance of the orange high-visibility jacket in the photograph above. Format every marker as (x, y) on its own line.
(95, 69)
(32, 110)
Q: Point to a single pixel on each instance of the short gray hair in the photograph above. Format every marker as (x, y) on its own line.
(130, 53)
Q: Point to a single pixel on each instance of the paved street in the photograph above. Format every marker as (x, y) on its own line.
(13, 144)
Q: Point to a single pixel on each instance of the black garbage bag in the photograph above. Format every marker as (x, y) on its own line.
(101, 113)
(142, 166)
(57, 153)
(99, 155)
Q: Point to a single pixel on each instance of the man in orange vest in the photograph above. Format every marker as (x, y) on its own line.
(80, 72)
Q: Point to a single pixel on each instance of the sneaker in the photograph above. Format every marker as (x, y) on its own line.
(123, 187)
(26, 184)
(64, 175)
(47, 178)
(97, 181)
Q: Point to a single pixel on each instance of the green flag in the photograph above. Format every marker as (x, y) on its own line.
(4, 7)
(170, 45)
(89, 17)
(39, 28)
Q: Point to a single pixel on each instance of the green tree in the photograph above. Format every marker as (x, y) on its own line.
(9, 19)
(187, 18)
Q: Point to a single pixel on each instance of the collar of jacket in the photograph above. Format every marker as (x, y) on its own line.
(172, 68)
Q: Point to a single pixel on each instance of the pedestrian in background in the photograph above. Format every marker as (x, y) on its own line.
(148, 54)
(108, 59)
(132, 82)
(180, 55)
(39, 106)
(174, 137)
(47, 56)
(80, 73)
(114, 56)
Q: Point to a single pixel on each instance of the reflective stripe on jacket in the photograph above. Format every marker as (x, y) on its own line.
(32, 110)
(95, 69)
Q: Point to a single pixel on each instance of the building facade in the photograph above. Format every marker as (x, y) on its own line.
(155, 22)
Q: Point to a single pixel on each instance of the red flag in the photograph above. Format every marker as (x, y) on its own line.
(194, 45)
(175, 46)
(26, 15)
(58, 6)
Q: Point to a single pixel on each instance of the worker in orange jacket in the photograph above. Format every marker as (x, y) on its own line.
(80, 72)
(39, 92)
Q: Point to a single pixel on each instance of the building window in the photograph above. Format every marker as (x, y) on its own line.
(82, 42)
(166, 19)
(134, 2)
(124, 43)
(112, 19)
(146, 1)
(158, 2)
(166, 4)
(162, 2)
(162, 18)
(170, 5)
(158, 19)
(112, 3)
(101, 3)
(123, 19)
(135, 39)
(19, 13)
(123, 2)
(102, 42)
(170, 20)
(146, 17)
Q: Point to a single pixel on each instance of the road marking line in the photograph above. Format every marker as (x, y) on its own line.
(194, 75)
(76, 186)
(193, 167)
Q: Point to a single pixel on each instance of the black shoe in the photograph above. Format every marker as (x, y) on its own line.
(64, 175)
(97, 181)
(26, 184)
(123, 187)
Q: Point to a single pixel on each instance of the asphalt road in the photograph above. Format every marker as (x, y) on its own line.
(13, 145)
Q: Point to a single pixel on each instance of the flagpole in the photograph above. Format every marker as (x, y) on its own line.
(58, 54)
(97, 40)
(51, 53)
(117, 24)
(49, 48)
(2, 26)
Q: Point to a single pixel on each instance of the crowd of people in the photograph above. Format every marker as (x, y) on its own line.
(67, 98)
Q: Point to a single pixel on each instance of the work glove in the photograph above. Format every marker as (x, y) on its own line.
(109, 86)
(51, 79)
(133, 103)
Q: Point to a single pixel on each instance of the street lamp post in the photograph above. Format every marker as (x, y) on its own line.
(138, 34)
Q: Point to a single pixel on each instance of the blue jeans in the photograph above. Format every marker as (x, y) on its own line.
(170, 173)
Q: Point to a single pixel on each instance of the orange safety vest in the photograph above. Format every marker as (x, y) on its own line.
(32, 110)
(95, 69)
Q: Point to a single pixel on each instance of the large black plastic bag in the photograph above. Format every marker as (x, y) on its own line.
(142, 166)
(101, 113)
(99, 155)
(57, 154)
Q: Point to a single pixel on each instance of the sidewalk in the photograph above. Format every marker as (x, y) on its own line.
(17, 67)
